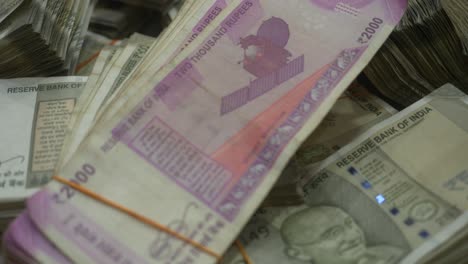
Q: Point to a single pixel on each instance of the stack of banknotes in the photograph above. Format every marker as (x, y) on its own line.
(428, 49)
(175, 143)
(41, 38)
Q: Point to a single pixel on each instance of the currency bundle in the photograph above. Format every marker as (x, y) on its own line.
(427, 50)
(41, 38)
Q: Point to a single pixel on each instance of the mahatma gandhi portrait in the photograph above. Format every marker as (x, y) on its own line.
(329, 235)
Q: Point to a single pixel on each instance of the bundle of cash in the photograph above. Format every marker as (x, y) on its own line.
(35, 114)
(428, 49)
(41, 38)
(396, 194)
(169, 162)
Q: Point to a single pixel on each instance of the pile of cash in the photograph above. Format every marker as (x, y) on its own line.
(428, 49)
(174, 143)
(203, 124)
(41, 38)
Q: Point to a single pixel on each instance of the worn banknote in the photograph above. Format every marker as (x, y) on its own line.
(394, 195)
(198, 147)
(35, 114)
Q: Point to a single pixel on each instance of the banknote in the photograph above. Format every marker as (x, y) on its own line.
(211, 131)
(35, 114)
(395, 194)
(41, 38)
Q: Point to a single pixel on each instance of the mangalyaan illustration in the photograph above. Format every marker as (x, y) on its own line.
(267, 59)
(266, 51)
(326, 234)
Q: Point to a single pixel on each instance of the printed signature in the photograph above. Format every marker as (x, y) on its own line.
(10, 160)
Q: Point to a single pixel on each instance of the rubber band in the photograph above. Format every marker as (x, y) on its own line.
(135, 215)
(83, 64)
(243, 252)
